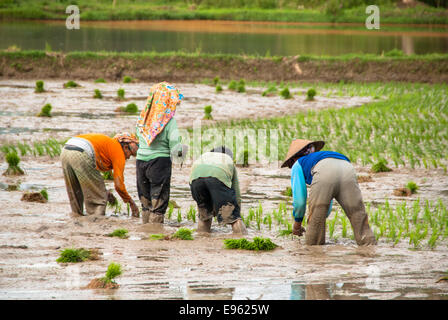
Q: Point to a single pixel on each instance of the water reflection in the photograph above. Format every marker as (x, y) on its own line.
(247, 38)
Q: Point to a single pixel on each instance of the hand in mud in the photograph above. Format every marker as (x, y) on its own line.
(297, 229)
(111, 198)
(134, 209)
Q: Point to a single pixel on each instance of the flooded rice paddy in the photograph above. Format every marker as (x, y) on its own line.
(33, 234)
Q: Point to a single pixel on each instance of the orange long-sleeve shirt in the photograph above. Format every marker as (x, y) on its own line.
(109, 155)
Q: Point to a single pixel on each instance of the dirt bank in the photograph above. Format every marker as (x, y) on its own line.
(190, 68)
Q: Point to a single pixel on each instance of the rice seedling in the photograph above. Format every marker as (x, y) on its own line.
(287, 192)
(232, 85)
(120, 94)
(131, 108)
(412, 186)
(97, 94)
(170, 210)
(116, 206)
(107, 175)
(183, 234)
(259, 215)
(113, 270)
(285, 94)
(127, 79)
(179, 216)
(119, 233)
(287, 231)
(331, 225)
(45, 111)
(310, 94)
(13, 161)
(241, 86)
(215, 81)
(218, 88)
(39, 86)
(380, 166)
(208, 113)
(269, 91)
(100, 80)
(74, 255)
(158, 236)
(191, 214)
(44, 193)
(268, 220)
(258, 244)
(71, 84)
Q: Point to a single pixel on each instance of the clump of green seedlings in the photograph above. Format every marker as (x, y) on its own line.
(158, 236)
(120, 94)
(183, 234)
(310, 94)
(179, 216)
(208, 113)
(119, 233)
(272, 90)
(71, 84)
(285, 94)
(74, 255)
(107, 175)
(287, 231)
(412, 186)
(108, 281)
(232, 85)
(409, 189)
(241, 86)
(287, 192)
(127, 79)
(216, 80)
(218, 88)
(100, 80)
(13, 161)
(131, 108)
(45, 111)
(97, 94)
(115, 204)
(44, 193)
(39, 86)
(380, 166)
(258, 244)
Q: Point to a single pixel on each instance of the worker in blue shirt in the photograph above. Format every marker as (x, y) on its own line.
(329, 175)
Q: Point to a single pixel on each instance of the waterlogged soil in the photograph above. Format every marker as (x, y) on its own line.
(75, 111)
(33, 234)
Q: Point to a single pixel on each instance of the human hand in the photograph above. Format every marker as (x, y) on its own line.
(134, 209)
(297, 229)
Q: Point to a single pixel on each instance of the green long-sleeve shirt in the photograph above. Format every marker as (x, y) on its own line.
(219, 166)
(162, 146)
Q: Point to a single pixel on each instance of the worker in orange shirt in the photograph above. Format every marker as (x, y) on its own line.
(83, 157)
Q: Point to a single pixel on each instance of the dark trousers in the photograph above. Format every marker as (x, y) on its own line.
(153, 184)
(214, 198)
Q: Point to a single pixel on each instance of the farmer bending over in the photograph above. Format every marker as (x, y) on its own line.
(159, 140)
(329, 175)
(83, 157)
(215, 188)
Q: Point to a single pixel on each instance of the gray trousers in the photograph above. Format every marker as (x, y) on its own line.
(336, 178)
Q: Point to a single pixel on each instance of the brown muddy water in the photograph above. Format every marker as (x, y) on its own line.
(33, 234)
(233, 37)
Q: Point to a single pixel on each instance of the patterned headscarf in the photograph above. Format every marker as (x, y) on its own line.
(160, 108)
(126, 137)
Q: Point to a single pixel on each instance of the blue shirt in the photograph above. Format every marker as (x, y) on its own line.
(309, 161)
(299, 180)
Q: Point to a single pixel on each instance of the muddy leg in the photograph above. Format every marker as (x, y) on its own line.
(350, 199)
(72, 185)
(238, 227)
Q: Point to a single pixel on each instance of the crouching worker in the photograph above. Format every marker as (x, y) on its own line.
(83, 157)
(215, 188)
(329, 175)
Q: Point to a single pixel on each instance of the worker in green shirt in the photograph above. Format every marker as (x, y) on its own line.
(215, 188)
(158, 141)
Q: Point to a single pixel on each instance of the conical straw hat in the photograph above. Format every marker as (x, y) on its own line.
(297, 146)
